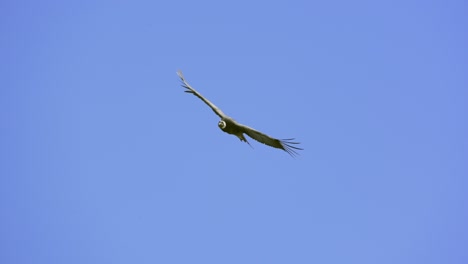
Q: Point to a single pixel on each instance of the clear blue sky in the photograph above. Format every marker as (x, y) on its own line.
(104, 158)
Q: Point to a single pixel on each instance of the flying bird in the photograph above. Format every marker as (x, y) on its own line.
(230, 126)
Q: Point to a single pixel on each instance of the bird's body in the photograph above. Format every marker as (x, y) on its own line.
(230, 126)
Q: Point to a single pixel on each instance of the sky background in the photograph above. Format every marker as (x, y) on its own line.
(104, 158)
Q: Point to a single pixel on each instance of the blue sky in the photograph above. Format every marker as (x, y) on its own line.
(104, 158)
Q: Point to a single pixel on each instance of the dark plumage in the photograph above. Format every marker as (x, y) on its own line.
(230, 126)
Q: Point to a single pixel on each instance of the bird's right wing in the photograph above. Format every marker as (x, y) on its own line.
(284, 144)
(197, 94)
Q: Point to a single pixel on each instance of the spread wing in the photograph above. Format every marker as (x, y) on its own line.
(284, 144)
(197, 94)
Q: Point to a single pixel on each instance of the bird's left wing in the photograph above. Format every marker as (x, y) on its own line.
(197, 94)
(284, 144)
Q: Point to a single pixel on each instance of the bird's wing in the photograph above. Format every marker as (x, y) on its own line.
(284, 144)
(197, 94)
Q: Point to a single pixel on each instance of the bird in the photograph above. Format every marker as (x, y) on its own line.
(230, 126)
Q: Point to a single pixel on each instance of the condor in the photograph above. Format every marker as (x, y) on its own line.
(230, 126)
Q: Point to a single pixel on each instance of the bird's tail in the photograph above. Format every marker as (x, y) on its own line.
(242, 138)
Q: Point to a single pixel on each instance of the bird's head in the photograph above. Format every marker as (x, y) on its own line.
(222, 124)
